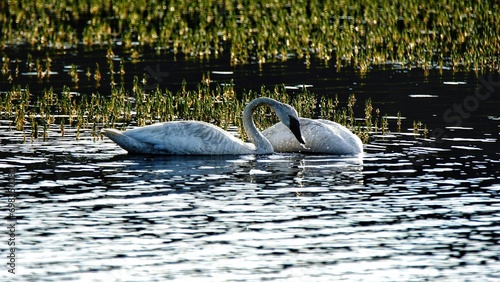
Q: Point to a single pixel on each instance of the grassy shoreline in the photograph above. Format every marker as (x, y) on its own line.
(411, 33)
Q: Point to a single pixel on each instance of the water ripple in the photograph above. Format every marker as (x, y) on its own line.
(405, 210)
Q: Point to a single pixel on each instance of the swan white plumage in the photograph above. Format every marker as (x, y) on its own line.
(201, 138)
(320, 136)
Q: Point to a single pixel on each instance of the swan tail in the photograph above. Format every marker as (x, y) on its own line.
(127, 143)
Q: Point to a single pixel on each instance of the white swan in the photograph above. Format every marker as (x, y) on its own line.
(201, 138)
(320, 136)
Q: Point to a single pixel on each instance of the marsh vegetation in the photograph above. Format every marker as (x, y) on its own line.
(50, 113)
(357, 34)
(457, 35)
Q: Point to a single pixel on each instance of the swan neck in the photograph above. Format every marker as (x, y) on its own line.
(262, 145)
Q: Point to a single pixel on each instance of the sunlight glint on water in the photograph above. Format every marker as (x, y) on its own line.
(410, 209)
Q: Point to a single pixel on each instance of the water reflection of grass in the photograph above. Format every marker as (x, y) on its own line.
(219, 105)
(458, 34)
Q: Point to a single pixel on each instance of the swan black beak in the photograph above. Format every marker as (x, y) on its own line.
(295, 128)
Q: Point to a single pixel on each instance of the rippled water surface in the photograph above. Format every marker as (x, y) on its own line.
(411, 208)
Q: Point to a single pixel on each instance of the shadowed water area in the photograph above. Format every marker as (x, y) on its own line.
(413, 207)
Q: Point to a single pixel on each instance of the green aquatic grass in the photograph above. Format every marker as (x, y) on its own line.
(54, 113)
(413, 33)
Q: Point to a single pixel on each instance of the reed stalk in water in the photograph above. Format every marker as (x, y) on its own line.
(220, 105)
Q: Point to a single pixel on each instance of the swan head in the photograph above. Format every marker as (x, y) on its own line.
(295, 128)
(289, 117)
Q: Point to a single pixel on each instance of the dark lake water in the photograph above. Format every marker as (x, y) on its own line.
(411, 208)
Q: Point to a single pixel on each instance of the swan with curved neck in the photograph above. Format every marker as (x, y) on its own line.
(321, 137)
(201, 138)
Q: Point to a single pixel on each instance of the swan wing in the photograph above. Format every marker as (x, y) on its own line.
(180, 138)
(321, 136)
